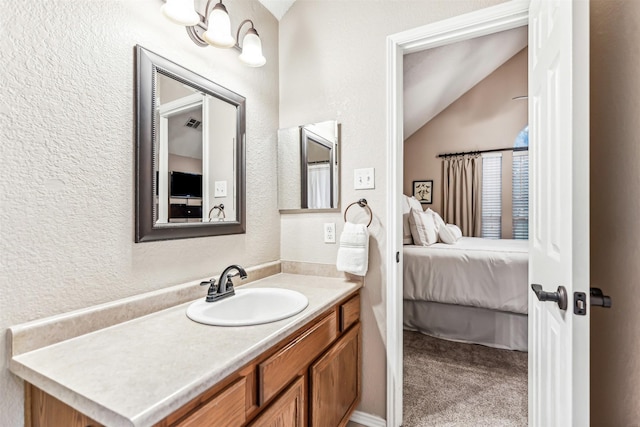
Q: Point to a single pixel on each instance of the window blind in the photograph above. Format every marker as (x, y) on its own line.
(520, 184)
(491, 195)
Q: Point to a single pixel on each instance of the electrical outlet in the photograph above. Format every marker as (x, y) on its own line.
(220, 189)
(364, 179)
(329, 232)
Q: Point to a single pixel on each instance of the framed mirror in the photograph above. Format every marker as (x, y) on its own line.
(309, 168)
(190, 153)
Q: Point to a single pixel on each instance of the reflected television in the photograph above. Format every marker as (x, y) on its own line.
(185, 184)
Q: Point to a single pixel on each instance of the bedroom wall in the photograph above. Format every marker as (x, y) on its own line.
(67, 154)
(483, 118)
(615, 229)
(333, 66)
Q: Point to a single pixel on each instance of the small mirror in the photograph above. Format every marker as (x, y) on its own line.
(308, 168)
(190, 153)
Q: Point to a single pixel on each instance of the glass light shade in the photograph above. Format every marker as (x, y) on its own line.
(182, 12)
(252, 50)
(218, 33)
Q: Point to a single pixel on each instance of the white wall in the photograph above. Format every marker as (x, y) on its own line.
(67, 156)
(332, 66)
(222, 165)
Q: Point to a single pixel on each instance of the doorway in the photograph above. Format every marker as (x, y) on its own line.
(463, 291)
(502, 17)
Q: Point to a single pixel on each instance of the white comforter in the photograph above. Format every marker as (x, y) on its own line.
(474, 272)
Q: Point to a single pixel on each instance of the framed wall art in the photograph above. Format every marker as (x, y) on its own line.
(423, 191)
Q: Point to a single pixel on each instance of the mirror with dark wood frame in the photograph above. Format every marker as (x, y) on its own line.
(190, 153)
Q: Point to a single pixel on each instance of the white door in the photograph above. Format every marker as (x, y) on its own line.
(559, 218)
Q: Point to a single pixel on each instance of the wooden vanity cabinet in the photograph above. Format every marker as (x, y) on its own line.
(288, 410)
(311, 378)
(335, 382)
(42, 409)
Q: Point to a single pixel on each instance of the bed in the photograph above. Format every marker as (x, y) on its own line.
(472, 291)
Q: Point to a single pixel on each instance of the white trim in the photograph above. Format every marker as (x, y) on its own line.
(394, 231)
(206, 160)
(165, 111)
(181, 104)
(367, 420)
(505, 16)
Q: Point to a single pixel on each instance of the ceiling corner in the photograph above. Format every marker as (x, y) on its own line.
(277, 7)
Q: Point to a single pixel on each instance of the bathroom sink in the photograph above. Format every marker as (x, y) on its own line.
(249, 307)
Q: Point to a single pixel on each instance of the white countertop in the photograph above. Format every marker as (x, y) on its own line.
(137, 372)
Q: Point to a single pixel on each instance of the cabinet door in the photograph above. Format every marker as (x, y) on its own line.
(287, 410)
(282, 367)
(226, 409)
(335, 382)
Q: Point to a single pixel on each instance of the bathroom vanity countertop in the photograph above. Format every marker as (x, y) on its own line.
(137, 372)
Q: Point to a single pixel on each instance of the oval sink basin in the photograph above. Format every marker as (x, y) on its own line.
(249, 307)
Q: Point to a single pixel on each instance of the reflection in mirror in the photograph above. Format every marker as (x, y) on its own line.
(190, 177)
(190, 124)
(308, 167)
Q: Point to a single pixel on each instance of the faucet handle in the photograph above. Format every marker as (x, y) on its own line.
(213, 289)
(229, 283)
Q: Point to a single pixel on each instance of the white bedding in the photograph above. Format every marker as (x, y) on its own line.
(473, 272)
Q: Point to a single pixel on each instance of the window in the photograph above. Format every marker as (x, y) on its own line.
(520, 180)
(492, 195)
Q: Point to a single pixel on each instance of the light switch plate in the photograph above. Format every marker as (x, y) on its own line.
(364, 179)
(329, 232)
(220, 189)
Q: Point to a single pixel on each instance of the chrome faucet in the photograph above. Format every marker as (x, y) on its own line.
(224, 287)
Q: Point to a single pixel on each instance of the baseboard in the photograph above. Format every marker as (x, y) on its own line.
(367, 420)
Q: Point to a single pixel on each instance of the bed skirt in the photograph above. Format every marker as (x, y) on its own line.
(476, 325)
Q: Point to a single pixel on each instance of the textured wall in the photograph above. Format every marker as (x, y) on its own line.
(333, 66)
(615, 177)
(67, 155)
(484, 118)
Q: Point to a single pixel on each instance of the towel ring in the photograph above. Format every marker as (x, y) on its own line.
(363, 204)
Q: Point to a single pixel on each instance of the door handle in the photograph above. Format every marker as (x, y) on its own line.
(597, 299)
(560, 296)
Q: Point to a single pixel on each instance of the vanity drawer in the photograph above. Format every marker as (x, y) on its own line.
(226, 409)
(349, 313)
(282, 367)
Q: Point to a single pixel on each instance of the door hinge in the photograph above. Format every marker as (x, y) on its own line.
(397, 257)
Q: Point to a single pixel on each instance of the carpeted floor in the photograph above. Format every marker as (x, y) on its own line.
(453, 384)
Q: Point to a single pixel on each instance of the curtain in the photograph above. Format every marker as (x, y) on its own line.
(319, 186)
(461, 193)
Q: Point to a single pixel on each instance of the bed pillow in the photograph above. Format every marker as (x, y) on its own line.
(415, 204)
(437, 219)
(406, 229)
(408, 203)
(423, 228)
(449, 234)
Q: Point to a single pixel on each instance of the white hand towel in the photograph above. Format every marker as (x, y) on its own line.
(353, 253)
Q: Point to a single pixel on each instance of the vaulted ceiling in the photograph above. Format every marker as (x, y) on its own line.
(435, 78)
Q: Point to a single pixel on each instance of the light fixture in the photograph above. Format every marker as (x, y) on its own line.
(251, 46)
(180, 12)
(214, 28)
